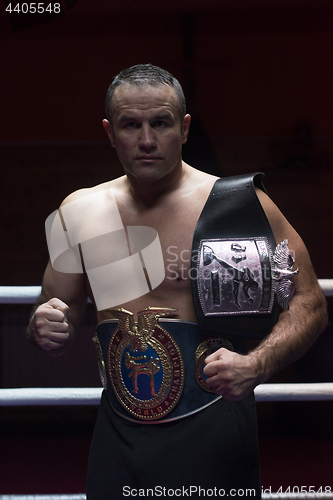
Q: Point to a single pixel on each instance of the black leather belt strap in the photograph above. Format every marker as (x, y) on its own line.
(233, 210)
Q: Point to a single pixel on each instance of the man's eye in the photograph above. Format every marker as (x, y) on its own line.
(130, 125)
(160, 123)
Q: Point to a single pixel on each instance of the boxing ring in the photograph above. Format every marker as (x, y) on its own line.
(265, 496)
(91, 396)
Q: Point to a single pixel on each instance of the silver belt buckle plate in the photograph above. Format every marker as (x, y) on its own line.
(235, 276)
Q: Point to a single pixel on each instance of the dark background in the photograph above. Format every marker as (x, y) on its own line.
(258, 76)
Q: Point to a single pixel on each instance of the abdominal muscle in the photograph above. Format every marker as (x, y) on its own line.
(171, 293)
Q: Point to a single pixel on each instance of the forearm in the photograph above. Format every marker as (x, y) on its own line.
(295, 332)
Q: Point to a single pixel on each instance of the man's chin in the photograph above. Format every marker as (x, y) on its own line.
(151, 174)
(148, 173)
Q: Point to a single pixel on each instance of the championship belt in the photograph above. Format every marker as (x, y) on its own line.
(242, 277)
(153, 371)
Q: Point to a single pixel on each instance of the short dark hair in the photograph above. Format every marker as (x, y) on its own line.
(145, 74)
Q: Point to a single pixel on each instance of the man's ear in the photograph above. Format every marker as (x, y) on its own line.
(108, 130)
(186, 127)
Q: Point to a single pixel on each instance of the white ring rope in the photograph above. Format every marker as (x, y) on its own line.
(326, 286)
(43, 497)
(294, 496)
(19, 294)
(265, 496)
(294, 392)
(73, 396)
(50, 396)
(29, 294)
(91, 396)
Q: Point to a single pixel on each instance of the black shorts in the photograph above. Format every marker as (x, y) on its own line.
(216, 449)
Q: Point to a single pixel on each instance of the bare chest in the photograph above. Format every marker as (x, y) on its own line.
(173, 222)
(175, 227)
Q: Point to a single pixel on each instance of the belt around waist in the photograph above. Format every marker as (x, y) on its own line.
(157, 379)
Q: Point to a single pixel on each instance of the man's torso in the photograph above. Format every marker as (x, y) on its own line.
(174, 217)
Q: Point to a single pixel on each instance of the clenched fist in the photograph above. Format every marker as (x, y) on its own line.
(231, 375)
(48, 326)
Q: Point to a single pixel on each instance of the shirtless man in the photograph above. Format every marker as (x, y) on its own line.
(147, 125)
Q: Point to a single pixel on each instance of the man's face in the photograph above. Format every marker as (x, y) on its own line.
(146, 131)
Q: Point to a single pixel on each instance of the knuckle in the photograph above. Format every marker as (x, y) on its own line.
(42, 336)
(39, 322)
(63, 327)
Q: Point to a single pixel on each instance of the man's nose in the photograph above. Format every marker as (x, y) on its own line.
(147, 139)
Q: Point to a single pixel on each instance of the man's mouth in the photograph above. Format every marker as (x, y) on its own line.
(148, 157)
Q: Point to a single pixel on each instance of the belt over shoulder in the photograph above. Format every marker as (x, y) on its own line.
(233, 214)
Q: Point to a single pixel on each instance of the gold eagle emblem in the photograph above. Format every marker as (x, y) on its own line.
(139, 335)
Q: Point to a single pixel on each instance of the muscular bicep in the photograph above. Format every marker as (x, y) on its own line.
(282, 229)
(299, 326)
(68, 287)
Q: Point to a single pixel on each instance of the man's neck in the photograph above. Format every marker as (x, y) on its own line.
(148, 192)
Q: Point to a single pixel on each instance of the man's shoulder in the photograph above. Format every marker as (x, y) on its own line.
(199, 180)
(91, 212)
(88, 195)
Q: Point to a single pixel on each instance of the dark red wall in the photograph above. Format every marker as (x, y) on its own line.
(257, 66)
(251, 70)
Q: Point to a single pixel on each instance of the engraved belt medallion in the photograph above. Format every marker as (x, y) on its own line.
(241, 276)
(145, 364)
(203, 350)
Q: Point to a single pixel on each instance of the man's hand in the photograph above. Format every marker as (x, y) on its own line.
(48, 326)
(231, 375)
